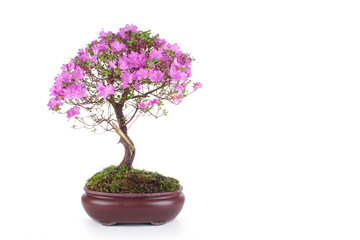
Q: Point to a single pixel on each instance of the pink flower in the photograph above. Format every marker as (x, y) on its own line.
(122, 31)
(66, 76)
(71, 65)
(197, 85)
(180, 58)
(111, 65)
(156, 75)
(131, 28)
(117, 46)
(75, 91)
(57, 90)
(142, 105)
(153, 102)
(160, 42)
(188, 71)
(81, 51)
(179, 88)
(96, 48)
(177, 75)
(123, 63)
(64, 67)
(137, 85)
(157, 54)
(136, 60)
(73, 111)
(173, 47)
(177, 99)
(78, 73)
(103, 33)
(141, 74)
(126, 78)
(105, 91)
(132, 59)
(83, 55)
(93, 59)
(102, 45)
(55, 102)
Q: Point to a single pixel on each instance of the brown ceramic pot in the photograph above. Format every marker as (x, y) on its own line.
(114, 208)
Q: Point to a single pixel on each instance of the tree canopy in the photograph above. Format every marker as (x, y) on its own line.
(130, 70)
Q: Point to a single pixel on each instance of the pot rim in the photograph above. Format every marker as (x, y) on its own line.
(132, 195)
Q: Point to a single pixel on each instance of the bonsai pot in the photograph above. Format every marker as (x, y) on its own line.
(114, 208)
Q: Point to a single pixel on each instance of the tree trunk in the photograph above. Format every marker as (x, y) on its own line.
(124, 138)
(129, 154)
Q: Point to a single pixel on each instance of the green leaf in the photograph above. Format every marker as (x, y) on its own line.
(154, 60)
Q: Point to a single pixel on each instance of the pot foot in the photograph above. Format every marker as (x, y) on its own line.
(158, 223)
(108, 223)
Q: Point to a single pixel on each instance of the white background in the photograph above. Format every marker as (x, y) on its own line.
(268, 149)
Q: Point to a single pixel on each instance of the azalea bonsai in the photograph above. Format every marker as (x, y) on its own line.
(114, 80)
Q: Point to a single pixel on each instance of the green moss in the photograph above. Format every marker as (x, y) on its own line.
(121, 180)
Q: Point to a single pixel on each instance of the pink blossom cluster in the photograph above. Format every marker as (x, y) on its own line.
(73, 111)
(68, 86)
(135, 58)
(144, 105)
(105, 91)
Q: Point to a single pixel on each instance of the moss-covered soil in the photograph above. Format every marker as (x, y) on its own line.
(121, 180)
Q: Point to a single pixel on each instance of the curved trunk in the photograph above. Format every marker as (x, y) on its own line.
(129, 153)
(124, 138)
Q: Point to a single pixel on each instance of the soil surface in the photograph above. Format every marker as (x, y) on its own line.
(115, 179)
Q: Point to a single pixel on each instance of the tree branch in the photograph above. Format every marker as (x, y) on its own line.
(118, 130)
(150, 92)
(132, 116)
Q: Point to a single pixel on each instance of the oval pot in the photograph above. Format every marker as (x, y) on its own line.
(114, 208)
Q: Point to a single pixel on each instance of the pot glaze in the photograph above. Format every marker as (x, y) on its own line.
(113, 208)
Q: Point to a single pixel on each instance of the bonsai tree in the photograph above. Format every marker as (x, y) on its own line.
(119, 77)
